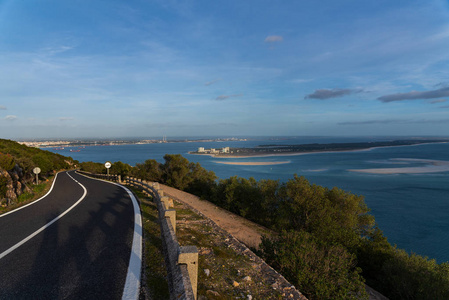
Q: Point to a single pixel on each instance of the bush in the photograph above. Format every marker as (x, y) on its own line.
(6, 162)
(318, 270)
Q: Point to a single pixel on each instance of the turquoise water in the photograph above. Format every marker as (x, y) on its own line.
(412, 209)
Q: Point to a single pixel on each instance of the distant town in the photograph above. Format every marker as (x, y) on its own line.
(85, 143)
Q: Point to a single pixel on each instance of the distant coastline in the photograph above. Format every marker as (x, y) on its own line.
(303, 149)
(253, 163)
(86, 143)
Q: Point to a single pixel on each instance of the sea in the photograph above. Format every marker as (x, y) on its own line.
(406, 187)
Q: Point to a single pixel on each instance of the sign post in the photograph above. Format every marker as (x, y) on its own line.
(36, 171)
(107, 165)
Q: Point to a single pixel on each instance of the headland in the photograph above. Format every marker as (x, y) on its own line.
(286, 150)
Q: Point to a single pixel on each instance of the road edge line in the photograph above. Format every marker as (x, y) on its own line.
(35, 201)
(11, 249)
(131, 290)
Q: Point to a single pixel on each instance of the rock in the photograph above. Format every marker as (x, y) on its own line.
(207, 271)
(18, 188)
(212, 293)
(9, 191)
(249, 297)
(235, 284)
(204, 251)
(247, 278)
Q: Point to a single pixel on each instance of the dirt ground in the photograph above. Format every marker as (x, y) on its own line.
(245, 231)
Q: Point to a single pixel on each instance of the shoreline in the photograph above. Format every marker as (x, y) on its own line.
(309, 152)
(253, 163)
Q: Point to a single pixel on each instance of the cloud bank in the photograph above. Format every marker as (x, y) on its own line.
(415, 95)
(395, 121)
(324, 94)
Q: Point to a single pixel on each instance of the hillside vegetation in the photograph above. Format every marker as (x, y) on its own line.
(327, 243)
(16, 169)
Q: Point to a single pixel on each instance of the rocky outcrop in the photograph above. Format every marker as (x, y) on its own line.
(11, 185)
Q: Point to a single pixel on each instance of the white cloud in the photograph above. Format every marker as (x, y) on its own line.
(273, 39)
(10, 118)
(2, 107)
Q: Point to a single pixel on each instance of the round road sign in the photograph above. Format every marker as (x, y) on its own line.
(36, 170)
(107, 165)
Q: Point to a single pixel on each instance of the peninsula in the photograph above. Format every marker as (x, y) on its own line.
(278, 150)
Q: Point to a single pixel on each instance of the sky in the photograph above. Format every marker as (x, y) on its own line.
(109, 68)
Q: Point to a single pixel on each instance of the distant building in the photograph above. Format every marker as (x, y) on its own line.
(213, 150)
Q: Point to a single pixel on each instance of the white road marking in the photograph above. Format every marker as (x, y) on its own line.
(19, 208)
(132, 284)
(6, 252)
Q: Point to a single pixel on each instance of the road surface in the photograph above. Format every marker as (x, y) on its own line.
(75, 243)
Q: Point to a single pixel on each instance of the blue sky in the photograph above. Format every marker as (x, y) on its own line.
(110, 68)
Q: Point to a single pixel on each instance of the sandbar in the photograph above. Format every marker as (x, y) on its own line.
(253, 163)
(432, 166)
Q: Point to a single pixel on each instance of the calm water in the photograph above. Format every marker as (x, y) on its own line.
(411, 209)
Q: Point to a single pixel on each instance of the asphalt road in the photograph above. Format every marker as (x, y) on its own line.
(82, 255)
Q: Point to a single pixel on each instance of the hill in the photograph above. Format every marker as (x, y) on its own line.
(16, 168)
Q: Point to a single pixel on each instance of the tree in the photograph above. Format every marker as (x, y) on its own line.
(149, 170)
(317, 269)
(175, 171)
(202, 181)
(120, 168)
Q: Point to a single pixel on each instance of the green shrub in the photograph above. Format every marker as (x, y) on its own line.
(6, 162)
(317, 269)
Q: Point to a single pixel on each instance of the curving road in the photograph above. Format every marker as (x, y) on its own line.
(80, 241)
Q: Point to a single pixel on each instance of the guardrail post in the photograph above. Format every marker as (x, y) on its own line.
(166, 202)
(171, 214)
(189, 255)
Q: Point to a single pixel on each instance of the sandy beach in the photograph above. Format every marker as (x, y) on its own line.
(253, 163)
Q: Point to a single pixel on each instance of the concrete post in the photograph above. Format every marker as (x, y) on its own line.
(166, 202)
(120, 179)
(189, 255)
(171, 214)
